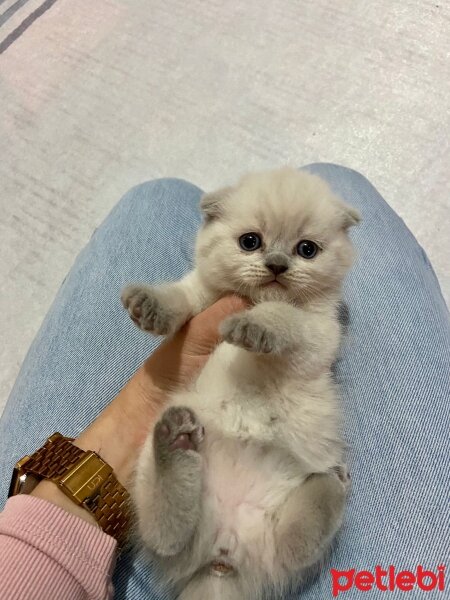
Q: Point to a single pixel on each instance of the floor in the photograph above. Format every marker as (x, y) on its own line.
(97, 96)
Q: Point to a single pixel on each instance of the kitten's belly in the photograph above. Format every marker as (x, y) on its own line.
(247, 399)
(247, 414)
(244, 485)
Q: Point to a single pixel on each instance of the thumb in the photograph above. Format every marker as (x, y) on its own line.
(203, 330)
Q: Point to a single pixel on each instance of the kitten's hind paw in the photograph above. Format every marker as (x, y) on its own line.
(178, 429)
(147, 311)
(247, 331)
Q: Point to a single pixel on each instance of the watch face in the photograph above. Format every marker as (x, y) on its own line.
(21, 483)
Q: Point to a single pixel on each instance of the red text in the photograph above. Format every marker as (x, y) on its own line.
(388, 580)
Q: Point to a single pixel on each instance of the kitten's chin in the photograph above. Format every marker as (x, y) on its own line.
(270, 291)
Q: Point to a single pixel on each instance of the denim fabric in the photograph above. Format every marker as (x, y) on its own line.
(394, 372)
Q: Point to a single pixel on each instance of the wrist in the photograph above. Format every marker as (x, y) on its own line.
(116, 435)
(89, 483)
(119, 432)
(47, 490)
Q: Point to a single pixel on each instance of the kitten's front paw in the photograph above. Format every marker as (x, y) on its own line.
(245, 330)
(178, 429)
(146, 310)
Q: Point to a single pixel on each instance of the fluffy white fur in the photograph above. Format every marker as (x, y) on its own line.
(256, 496)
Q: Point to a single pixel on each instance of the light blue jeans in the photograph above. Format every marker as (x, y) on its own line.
(394, 372)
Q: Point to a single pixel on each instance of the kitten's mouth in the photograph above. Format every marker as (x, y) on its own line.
(273, 283)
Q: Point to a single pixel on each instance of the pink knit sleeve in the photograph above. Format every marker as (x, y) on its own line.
(49, 554)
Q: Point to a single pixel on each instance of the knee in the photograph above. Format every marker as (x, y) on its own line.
(332, 171)
(340, 177)
(354, 188)
(161, 196)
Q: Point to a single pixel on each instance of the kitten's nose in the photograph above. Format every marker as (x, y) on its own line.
(277, 264)
(277, 269)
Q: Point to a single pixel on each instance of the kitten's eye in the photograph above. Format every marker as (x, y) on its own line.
(250, 242)
(307, 249)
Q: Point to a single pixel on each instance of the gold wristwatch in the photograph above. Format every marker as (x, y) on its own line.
(83, 477)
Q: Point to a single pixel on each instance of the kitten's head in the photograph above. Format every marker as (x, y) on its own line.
(277, 235)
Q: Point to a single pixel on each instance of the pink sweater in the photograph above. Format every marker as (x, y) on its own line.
(49, 554)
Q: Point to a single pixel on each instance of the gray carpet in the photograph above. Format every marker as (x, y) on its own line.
(97, 96)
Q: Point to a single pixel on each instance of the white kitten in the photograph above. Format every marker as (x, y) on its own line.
(241, 484)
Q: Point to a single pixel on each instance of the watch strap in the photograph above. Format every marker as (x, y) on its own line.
(54, 458)
(86, 479)
(111, 509)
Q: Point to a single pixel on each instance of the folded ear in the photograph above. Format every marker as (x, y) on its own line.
(351, 216)
(212, 204)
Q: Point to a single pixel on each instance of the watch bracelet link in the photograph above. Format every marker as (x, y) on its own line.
(54, 458)
(109, 503)
(111, 509)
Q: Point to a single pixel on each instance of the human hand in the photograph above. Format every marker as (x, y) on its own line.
(176, 361)
(120, 430)
(118, 433)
